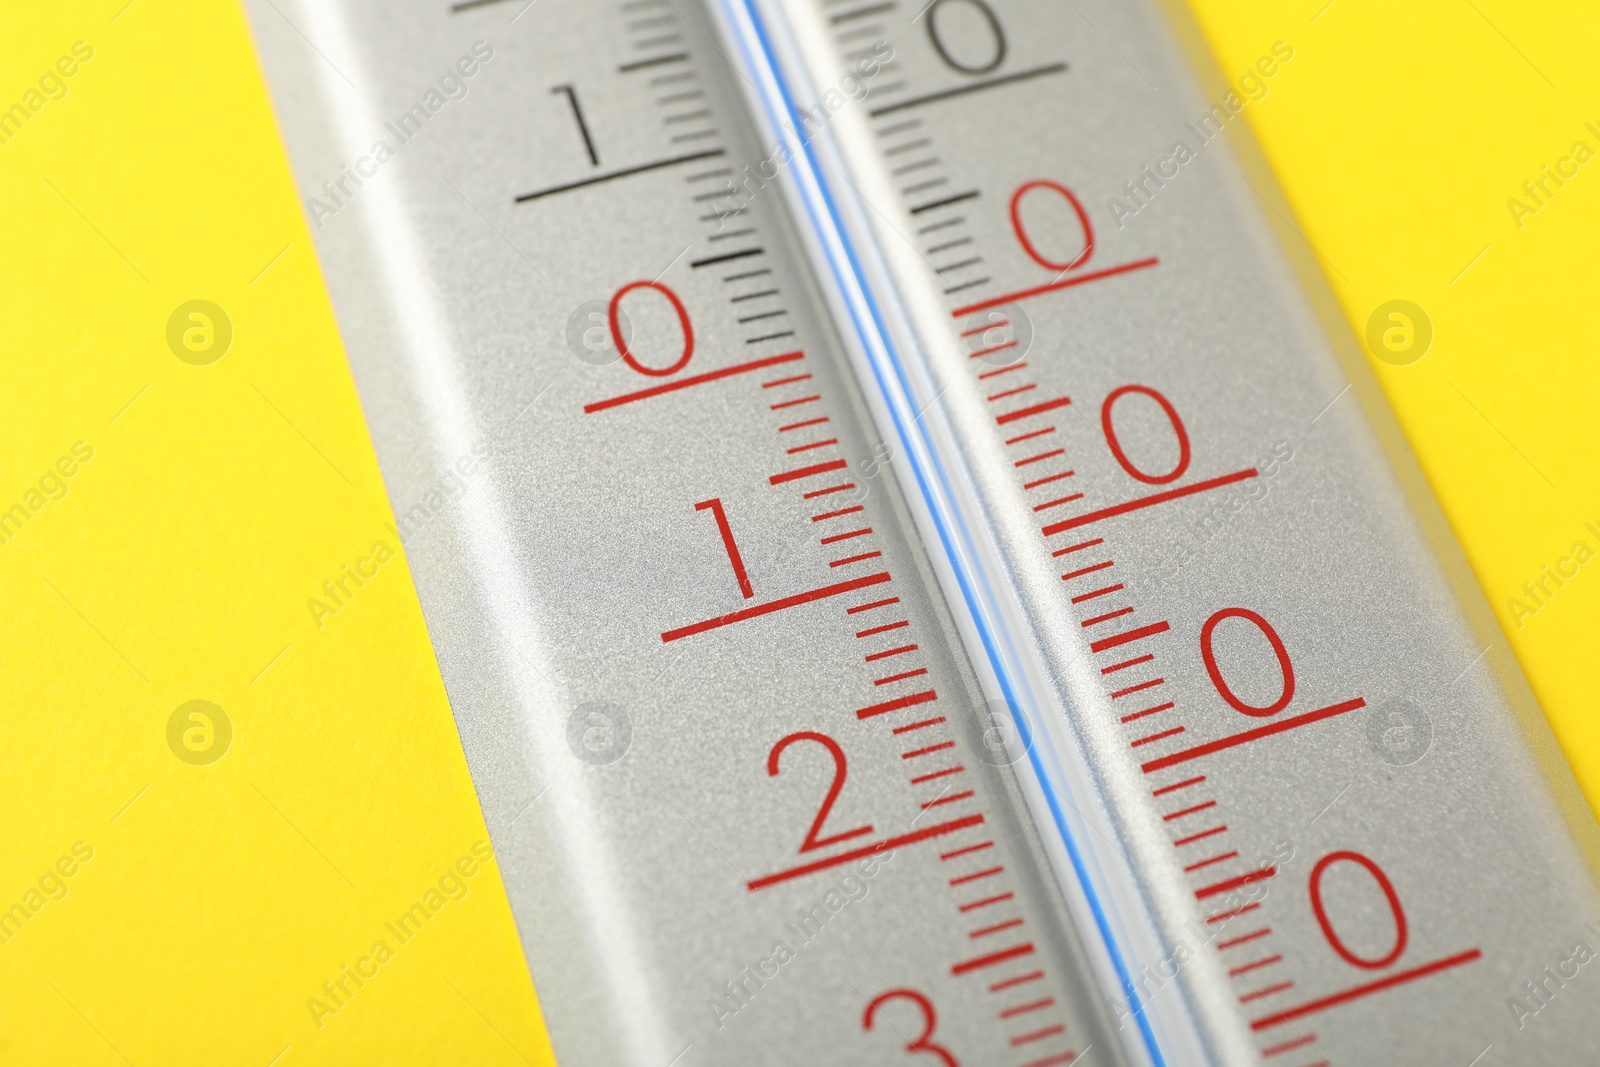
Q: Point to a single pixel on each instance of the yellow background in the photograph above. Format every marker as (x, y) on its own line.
(178, 567)
(1398, 133)
(219, 498)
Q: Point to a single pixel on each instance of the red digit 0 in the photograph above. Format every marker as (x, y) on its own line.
(1116, 446)
(924, 1042)
(1027, 243)
(1284, 666)
(622, 344)
(812, 840)
(1400, 932)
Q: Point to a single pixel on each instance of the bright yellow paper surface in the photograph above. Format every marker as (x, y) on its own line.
(1399, 132)
(197, 908)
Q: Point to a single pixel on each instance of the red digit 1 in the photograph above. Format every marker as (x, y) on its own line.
(1116, 446)
(1400, 933)
(621, 342)
(924, 1042)
(812, 840)
(1209, 655)
(714, 505)
(1027, 243)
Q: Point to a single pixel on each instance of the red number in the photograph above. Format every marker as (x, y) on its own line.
(1116, 446)
(812, 840)
(714, 505)
(1382, 879)
(930, 1019)
(1022, 234)
(1209, 655)
(622, 344)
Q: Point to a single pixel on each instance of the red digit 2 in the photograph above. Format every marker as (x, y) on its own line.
(813, 838)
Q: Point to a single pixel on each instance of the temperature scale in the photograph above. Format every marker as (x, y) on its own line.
(921, 572)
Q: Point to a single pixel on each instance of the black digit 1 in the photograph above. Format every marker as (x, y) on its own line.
(583, 127)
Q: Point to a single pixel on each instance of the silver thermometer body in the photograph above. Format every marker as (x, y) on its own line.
(1268, 687)
(734, 760)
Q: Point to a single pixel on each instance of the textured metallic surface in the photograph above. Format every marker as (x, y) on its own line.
(624, 778)
(1442, 779)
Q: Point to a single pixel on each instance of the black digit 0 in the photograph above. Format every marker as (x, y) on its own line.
(994, 30)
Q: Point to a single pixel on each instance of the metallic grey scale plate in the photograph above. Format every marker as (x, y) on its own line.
(549, 579)
(1474, 827)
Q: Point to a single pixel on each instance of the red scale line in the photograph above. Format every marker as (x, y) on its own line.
(950, 799)
(1080, 598)
(919, 779)
(1288, 1046)
(1168, 706)
(808, 472)
(1047, 505)
(924, 834)
(1054, 1061)
(1047, 480)
(813, 444)
(901, 677)
(1038, 290)
(885, 628)
(1125, 664)
(927, 696)
(1079, 546)
(854, 559)
(1106, 617)
(922, 725)
(965, 878)
(1254, 965)
(1000, 898)
(1139, 634)
(1258, 994)
(1239, 882)
(1242, 938)
(1011, 983)
(993, 958)
(836, 514)
(831, 489)
(1037, 1035)
(874, 604)
(1188, 811)
(846, 536)
(984, 931)
(1365, 990)
(802, 425)
(1013, 392)
(1030, 436)
(1002, 370)
(1138, 688)
(1040, 456)
(1192, 838)
(794, 403)
(691, 380)
(1153, 738)
(1035, 409)
(890, 652)
(1023, 1009)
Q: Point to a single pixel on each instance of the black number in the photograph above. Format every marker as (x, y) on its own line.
(994, 29)
(583, 127)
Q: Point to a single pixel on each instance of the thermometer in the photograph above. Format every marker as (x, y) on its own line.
(915, 570)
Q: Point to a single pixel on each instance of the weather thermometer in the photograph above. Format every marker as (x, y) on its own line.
(917, 575)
